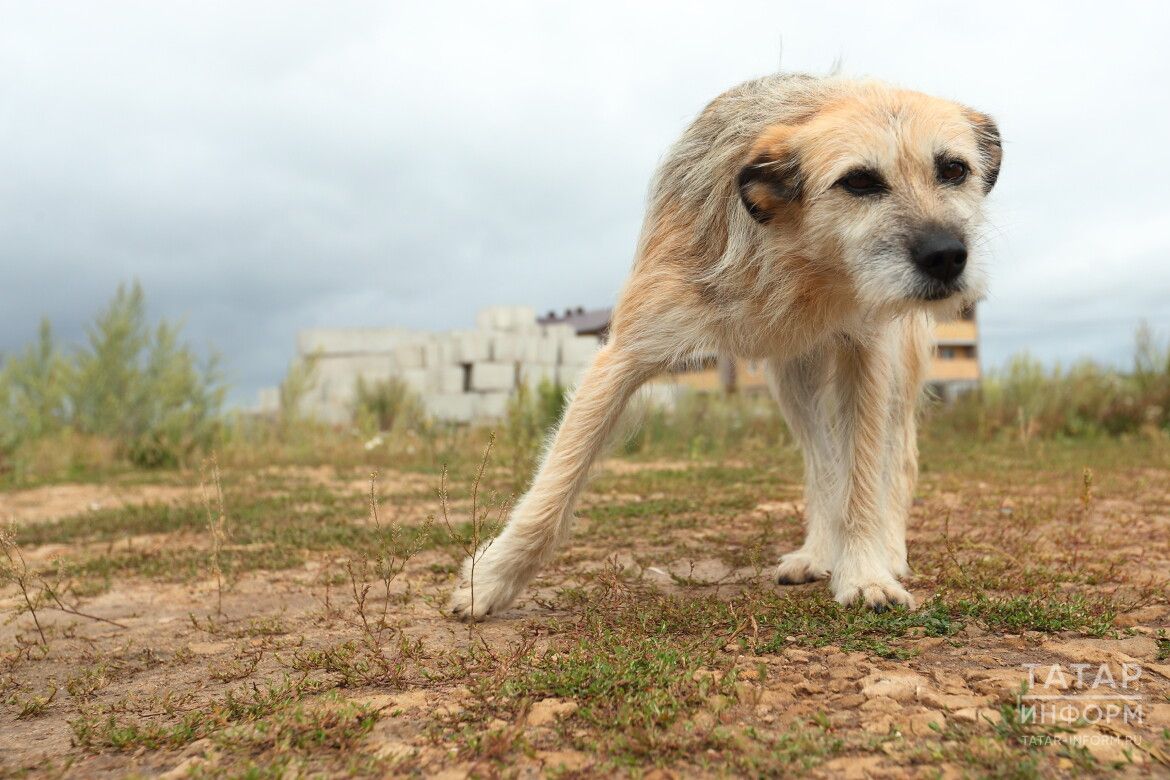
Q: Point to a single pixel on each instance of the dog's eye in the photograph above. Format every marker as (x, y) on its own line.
(952, 171)
(862, 183)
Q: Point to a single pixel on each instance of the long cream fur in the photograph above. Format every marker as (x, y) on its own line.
(751, 248)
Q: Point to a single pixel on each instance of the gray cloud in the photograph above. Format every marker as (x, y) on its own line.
(262, 168)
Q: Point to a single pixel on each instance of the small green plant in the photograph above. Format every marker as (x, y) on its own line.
(531, 417)
(294, 389)
(1163, 645)
(381, 407)
(35, 705)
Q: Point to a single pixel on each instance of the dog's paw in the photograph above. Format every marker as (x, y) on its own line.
(877, 593)
(496, 587)
(475, 604)
(799, 567)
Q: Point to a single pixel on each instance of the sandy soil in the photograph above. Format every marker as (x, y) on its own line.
(929, 709)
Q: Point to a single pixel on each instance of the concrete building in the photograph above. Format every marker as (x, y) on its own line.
(469, 375)
(460, 375)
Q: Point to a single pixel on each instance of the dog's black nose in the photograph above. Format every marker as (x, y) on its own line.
(940, 254)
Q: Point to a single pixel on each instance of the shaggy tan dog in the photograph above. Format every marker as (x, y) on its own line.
(819, 224)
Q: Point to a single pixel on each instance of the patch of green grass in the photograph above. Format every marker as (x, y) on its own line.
(1163, 646)
(652, 516)
(262, 733)
(1045, 613)
(817, 620)
(182, 564)
(649, 517)
(643, 666)
(622, 682)
(326, 724)
(108, 733)
(703, 475)
(1015, 748)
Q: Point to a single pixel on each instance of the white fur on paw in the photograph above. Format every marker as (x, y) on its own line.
(799, 567)
(496, 587)
(878, 594)
(490, 597)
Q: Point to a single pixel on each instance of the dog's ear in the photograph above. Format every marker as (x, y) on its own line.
(770, 182)
(990, 147)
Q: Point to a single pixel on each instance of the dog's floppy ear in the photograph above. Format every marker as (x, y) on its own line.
(770, 182)
(990, 147)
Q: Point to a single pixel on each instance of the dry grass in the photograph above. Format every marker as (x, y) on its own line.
(312, 638)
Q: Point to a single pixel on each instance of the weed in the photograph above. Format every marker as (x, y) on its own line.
(486, 519)
(85, 684)
(38, 592)
(217, 527)
(34, 706)
(392, 550)
(14, 570)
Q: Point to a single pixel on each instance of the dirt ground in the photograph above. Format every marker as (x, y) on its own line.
(276, 635)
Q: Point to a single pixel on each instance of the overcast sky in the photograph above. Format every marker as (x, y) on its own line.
(264, 167)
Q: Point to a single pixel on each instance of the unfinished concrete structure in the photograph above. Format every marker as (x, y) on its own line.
(469, 375)
(460, 375)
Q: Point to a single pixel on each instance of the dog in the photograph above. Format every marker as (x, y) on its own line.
(818, 224)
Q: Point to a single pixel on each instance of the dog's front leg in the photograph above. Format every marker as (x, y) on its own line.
(500, 569)
(863, 570)
(799, 385)
(913, 342)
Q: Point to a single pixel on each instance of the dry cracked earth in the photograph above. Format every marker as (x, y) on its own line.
(288, 631)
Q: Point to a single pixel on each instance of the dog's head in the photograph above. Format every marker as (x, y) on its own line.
(885, 185)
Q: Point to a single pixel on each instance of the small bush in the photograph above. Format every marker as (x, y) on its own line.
(531, 417)
(33, 392)
(381, 407)
(1026, 400)
(138, 388)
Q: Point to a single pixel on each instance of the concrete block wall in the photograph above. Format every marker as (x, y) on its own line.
(489, 377)
(461, 376)
(532, 374)
(338, 341)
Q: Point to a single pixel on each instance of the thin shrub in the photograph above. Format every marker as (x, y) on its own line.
(387, 405)
(1027, 400)
(137, 387)
(142, 387)
(34, 389)
(532, 415)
